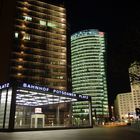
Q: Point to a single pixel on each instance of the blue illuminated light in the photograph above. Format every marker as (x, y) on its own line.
(55, 91)
(25, 85)
(64, 93)
(4, 86)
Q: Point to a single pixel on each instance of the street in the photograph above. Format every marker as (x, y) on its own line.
(96, 133)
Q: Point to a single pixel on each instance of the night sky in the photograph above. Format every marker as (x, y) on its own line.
(120, 21)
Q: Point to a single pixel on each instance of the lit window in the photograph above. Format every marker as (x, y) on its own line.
(61, 8)
(20, 66)
(61, 77)
(27, 18)
(16, 35)
(20, 59)
(22, 52)
(23, 25)
(62, 25)
(25, 8)
(51, 25)
(62, 19)
(42, 22)
(25, 3)
(26, 37)
(19, 74)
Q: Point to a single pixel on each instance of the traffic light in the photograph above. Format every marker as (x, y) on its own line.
(137, 111)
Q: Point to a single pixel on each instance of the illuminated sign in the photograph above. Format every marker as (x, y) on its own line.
(83, 96)
(69, 94)
(89, 32)
(64, 93)
(4, 86)
(42, 88)
(38, 110)
(55, 91)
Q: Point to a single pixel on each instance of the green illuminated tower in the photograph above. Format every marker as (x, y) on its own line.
(88, 71)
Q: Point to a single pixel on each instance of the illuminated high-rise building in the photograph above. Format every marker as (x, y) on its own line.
(124, 106)
(89, 71)
(126, 103)
(33, 74)
(33, 40)
(134, 76)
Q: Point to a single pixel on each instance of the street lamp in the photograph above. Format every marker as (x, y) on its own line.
(112, 113)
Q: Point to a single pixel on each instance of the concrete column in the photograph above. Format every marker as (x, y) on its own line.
(70, 114)
(58, 115)
(90, 114)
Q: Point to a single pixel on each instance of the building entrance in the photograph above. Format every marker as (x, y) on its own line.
(29, 106)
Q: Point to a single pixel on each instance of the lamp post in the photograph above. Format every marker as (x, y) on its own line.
(112, 113)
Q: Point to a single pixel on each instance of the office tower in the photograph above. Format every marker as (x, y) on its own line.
(88, 53)
(126, 103)
(124, 106)
(33, 40)
(134, 74)
(33, 74)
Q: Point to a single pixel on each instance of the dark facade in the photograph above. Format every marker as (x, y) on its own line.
(33, 40)
(34, 69)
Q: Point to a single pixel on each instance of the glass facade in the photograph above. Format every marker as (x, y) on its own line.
(39, 107)
(5, 105)
(39, 51)
(88, 71)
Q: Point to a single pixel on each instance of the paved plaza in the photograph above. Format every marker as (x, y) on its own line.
(97, 133)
